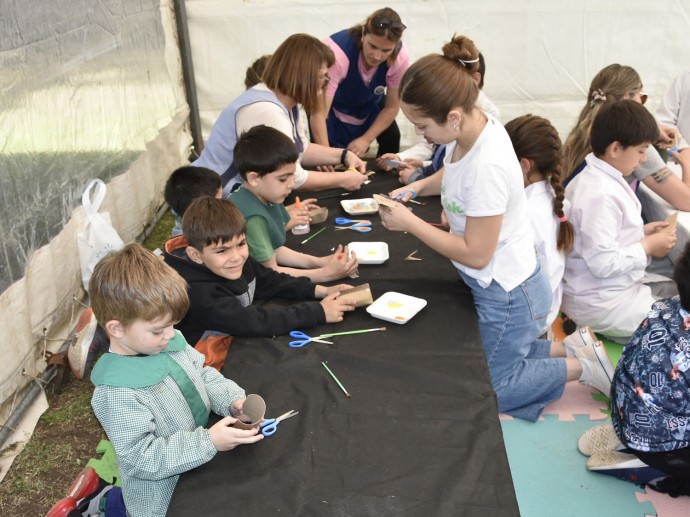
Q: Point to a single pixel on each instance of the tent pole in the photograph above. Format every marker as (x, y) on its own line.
(188, 74)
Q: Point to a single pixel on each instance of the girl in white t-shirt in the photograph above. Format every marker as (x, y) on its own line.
(538, 148)
(490, 240)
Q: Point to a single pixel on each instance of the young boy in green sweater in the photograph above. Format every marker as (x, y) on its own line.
(266, 160)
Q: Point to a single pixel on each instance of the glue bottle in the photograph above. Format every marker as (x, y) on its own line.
(300, 229)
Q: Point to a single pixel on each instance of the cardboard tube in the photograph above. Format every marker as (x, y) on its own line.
(253, 411)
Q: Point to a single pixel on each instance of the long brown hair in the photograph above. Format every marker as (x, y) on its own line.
(293, 69)
(612, 83)
(535, 139)
(435, 84)
(392, 30)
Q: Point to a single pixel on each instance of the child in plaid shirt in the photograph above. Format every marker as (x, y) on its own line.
(148, 371)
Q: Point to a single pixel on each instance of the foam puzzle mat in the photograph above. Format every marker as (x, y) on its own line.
(549, 473)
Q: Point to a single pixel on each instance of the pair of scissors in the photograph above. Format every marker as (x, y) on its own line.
(402, 194)
(341, 221)
(303, 339)
(359, 227)
(270, 425)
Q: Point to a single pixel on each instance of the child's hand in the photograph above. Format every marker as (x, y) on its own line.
(404, 173)
(681, 157)
(341, 264)
(406, 194)
(297, 215)
(225, 437)
(388, 156)
(396, 219)
(658, 243)
(236, 407)
(335, 308)
(668, 136)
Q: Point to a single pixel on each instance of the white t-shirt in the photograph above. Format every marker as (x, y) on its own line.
(487, 181)
(674, 110)
(545, 225)
(270, 114)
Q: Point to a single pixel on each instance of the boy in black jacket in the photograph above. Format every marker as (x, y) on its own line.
(213, 257)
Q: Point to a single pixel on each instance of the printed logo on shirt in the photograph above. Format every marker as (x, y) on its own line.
(448, 205)
(379, 90)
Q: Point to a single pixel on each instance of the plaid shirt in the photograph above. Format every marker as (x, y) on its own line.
(154, 434)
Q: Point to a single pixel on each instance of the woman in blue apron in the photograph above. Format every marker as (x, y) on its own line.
(362, 94)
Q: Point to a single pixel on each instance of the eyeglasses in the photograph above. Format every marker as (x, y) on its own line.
(382, 23)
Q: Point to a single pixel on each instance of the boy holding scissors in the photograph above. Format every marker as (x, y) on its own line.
(153, 394)
(266, 160)
(213, 257)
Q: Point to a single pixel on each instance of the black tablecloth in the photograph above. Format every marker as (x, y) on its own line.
(420, 435)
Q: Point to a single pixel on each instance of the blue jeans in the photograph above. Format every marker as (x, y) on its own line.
(523, 376)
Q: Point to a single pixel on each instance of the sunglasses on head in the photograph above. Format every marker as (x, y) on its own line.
(383, 22)
(643, 95)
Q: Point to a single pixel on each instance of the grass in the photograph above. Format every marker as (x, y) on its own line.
(64, 439)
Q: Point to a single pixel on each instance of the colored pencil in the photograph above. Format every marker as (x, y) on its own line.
(312, 236)
(336, 380)
(353, 332)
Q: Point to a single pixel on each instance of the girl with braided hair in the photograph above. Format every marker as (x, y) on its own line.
(538, 149)
(613, 83)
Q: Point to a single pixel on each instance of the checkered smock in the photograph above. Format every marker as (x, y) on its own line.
(153, 430)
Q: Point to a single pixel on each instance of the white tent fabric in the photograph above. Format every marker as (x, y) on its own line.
(89, 90)
(541, 54)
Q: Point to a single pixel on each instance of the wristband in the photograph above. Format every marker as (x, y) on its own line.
(342, 157)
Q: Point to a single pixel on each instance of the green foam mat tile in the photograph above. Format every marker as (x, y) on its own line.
(550, 476)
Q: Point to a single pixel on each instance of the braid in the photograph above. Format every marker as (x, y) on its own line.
(566, 232)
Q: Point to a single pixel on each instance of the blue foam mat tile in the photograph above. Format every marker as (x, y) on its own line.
(550, 476)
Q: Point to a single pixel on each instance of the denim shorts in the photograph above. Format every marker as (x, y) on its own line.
(523, 376)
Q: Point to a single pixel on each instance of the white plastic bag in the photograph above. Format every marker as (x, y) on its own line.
(98, 237)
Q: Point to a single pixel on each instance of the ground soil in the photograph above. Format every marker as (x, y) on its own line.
(64, 440)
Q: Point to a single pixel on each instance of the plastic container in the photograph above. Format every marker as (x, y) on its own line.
(300, 229)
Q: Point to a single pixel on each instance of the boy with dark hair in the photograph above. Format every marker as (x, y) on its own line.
(213, 257)
(266, 160)
(185, 185)
(605, 286)
(649, 441)
(139, 384)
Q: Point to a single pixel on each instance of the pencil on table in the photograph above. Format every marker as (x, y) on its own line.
(336, 380)
(312, 236)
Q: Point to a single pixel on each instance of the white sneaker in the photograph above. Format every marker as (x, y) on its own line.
(627, 467)
(580, 340)
(599, 438)
(597, 369)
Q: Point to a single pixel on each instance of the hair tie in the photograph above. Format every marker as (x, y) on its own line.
(563, 218)
(598, 97)
(467, 62)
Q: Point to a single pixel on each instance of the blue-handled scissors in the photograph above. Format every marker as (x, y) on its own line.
(303, 339)
(270, 425)
(402, 194)
(359, 227)
(341, 221)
